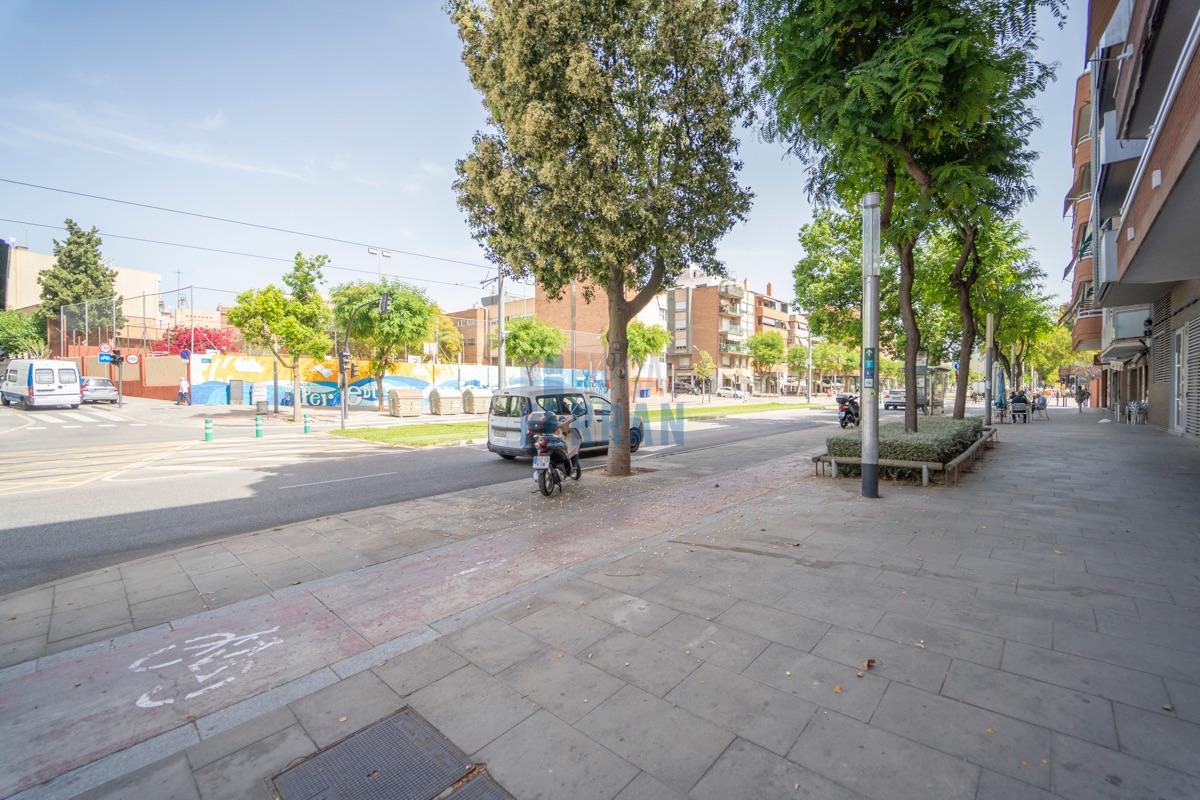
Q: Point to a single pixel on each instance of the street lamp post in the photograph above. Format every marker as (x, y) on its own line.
(870, 321)
(379, 254)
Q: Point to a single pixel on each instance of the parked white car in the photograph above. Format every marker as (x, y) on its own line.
(40, 383)
(729, 391)
(508, 431)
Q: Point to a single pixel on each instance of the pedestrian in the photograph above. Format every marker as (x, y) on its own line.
(185, 392)
(1080, 396)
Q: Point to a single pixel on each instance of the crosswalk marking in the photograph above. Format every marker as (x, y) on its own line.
(76, 416)
(42, 415)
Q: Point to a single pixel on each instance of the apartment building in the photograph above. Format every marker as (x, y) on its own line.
(712, 315)
(478, 325)
(1134, 203)
(771, 314)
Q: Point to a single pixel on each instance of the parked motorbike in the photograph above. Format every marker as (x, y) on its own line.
(848, 411)
(557, 446)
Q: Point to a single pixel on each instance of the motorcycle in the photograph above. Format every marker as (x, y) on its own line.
(848, 411)
(557, 446)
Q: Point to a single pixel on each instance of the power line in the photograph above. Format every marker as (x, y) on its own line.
(472, 285)
(230, 221)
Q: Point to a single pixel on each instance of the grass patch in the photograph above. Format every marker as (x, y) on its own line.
(937, 440)
(431, 434)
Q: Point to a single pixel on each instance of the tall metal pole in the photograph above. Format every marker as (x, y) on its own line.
(987, 381)
(869, 407)
(808, 364)
(62, 332)
(500, 329)
(573, 326)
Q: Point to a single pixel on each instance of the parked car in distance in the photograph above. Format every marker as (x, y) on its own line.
(684, 387)
(729, 391)
(40, 382)
(97, 390)
(894, 400)
(508, 428)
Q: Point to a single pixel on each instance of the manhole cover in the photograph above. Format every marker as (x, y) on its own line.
(400, 758)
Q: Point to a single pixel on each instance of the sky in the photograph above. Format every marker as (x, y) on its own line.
(344, 121)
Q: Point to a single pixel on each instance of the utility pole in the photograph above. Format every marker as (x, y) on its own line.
(500, 328)
(870, 320)
(573, 332)
(808, 364)
(987, 381)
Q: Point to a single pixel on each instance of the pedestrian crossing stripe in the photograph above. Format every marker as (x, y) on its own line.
(65, 417)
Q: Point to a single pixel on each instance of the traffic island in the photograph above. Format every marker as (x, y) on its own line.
(945, 446)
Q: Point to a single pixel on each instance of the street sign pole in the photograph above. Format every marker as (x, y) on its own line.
(987, 380)
(869, 408)
(120, 383)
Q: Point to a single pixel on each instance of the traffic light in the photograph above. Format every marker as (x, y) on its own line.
(343, 361)
(116, 354)
(353, 372)
(385, 301)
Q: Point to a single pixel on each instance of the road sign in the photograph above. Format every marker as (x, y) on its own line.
(106, 357)
(105, 348)
(132, 358)
(185, 354)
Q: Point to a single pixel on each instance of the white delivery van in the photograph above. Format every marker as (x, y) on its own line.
(38, 383)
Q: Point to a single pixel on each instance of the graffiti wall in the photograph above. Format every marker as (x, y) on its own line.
(222, 379)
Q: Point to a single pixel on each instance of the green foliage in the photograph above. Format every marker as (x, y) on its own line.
(79, 275)
(610, 155)
(21, 334)
(1053, 350)
(766, 350)
(290, 324)
(797, 359)
(704, 366)
(449, 338)
(528, 343)
(941, 439)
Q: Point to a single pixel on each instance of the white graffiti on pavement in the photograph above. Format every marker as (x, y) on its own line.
(224, 655)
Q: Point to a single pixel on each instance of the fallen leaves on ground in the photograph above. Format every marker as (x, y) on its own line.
(837, 688)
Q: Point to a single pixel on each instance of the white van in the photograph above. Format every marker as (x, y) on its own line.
(37, 383)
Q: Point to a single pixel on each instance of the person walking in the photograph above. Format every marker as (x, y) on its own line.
(1080, 396)
(185, 393)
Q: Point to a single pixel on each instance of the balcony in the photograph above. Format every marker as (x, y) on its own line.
(1086, 332)
(1123, 332)
(1118, 163)
(1084, 272)
(733, 347)
(731, 289)
(733, 331)
(730, 310)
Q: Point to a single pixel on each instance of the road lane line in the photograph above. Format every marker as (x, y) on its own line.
(49, 417)
(76, 416)
(72, 426)
(339, 480)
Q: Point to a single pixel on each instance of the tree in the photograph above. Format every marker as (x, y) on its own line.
(178, 338)
(79, 276)
(704, 368)
(383, 339)
(20, 335)
(291, 324)
(1052, 351)
(886, 96)
(528, 343)
(610, 157)
(767, 349)
(797, 359)
(644, 341)
(449, 338)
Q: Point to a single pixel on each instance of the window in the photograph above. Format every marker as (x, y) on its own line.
(67, 376)
(681, 339)
(684, 363)
(561, 403)
(100, 383)
(509, 406)
(601, 406)
(44, 377)
(11, 376)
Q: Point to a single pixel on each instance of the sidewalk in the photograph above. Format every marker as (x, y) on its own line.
(700, 633)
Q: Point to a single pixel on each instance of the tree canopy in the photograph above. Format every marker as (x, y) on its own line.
(767, 349)
(610, 153)
(529, 343)
(80, 276)
(21, 334)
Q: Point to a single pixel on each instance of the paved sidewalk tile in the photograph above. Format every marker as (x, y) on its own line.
(544, 758)
(768, 717)
(717, 644)
(917, 667)
(771, 623)
(631, 613)
(818, 680)
(419, 667)
(493, 645)
(345, 707)
(748, 772)
(1159, 737)
(561, 683)
(471, 707)
(564, 627)
(691, 599)
(642, 662)
(1085, 771)
(674, 746)
(246, 774)
(169, 779)
(646, 787)
(956, 642)
(881, 764)
(1086, 675)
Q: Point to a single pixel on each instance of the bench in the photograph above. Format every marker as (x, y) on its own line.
(952, 468)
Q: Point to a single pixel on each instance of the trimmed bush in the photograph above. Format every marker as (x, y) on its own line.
(938, 440)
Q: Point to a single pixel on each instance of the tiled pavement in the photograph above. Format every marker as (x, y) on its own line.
(1034, 635)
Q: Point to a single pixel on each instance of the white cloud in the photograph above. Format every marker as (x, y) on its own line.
(432, 169)
(213, 122)
(338, 163)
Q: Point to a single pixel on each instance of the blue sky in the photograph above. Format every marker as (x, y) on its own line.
(342, 120)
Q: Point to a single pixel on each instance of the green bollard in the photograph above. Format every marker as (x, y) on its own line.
(307, 424)
(258, 429)
(208, 429)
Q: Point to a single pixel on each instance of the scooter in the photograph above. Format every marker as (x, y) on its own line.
(848, 412)
(557, 451)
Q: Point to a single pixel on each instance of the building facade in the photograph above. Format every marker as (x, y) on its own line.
(1134, 202)
(713, 315)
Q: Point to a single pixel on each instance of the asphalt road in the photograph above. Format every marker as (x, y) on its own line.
(156, 505)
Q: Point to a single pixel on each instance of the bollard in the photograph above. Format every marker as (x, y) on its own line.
(258, 429)
(307, 424)
(208, 429)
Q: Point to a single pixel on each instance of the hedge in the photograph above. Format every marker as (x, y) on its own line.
(938, 440)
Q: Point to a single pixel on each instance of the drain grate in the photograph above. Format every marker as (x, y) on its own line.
(400, 758)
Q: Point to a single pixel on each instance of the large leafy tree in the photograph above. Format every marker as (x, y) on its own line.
(383, 339)
(449, 338)
(292, 323)
(610, 156)
(80, 276)
(888, 97)
(20, 334)
(767, 349)
(528, 343)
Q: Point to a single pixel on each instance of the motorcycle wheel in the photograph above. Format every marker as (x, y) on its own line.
(578, 473)
(545, 483)
(842, 422)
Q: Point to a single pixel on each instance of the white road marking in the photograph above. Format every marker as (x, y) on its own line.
(32, 428)
(48, 417)
(338, 480)
(76, 416)
(72, 426)
(105, 425)
(137, 424)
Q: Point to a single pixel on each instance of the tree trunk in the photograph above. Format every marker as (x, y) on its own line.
(618, 378)
(297, 394)
(379, 391)
(912, 336)
(962, 284)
